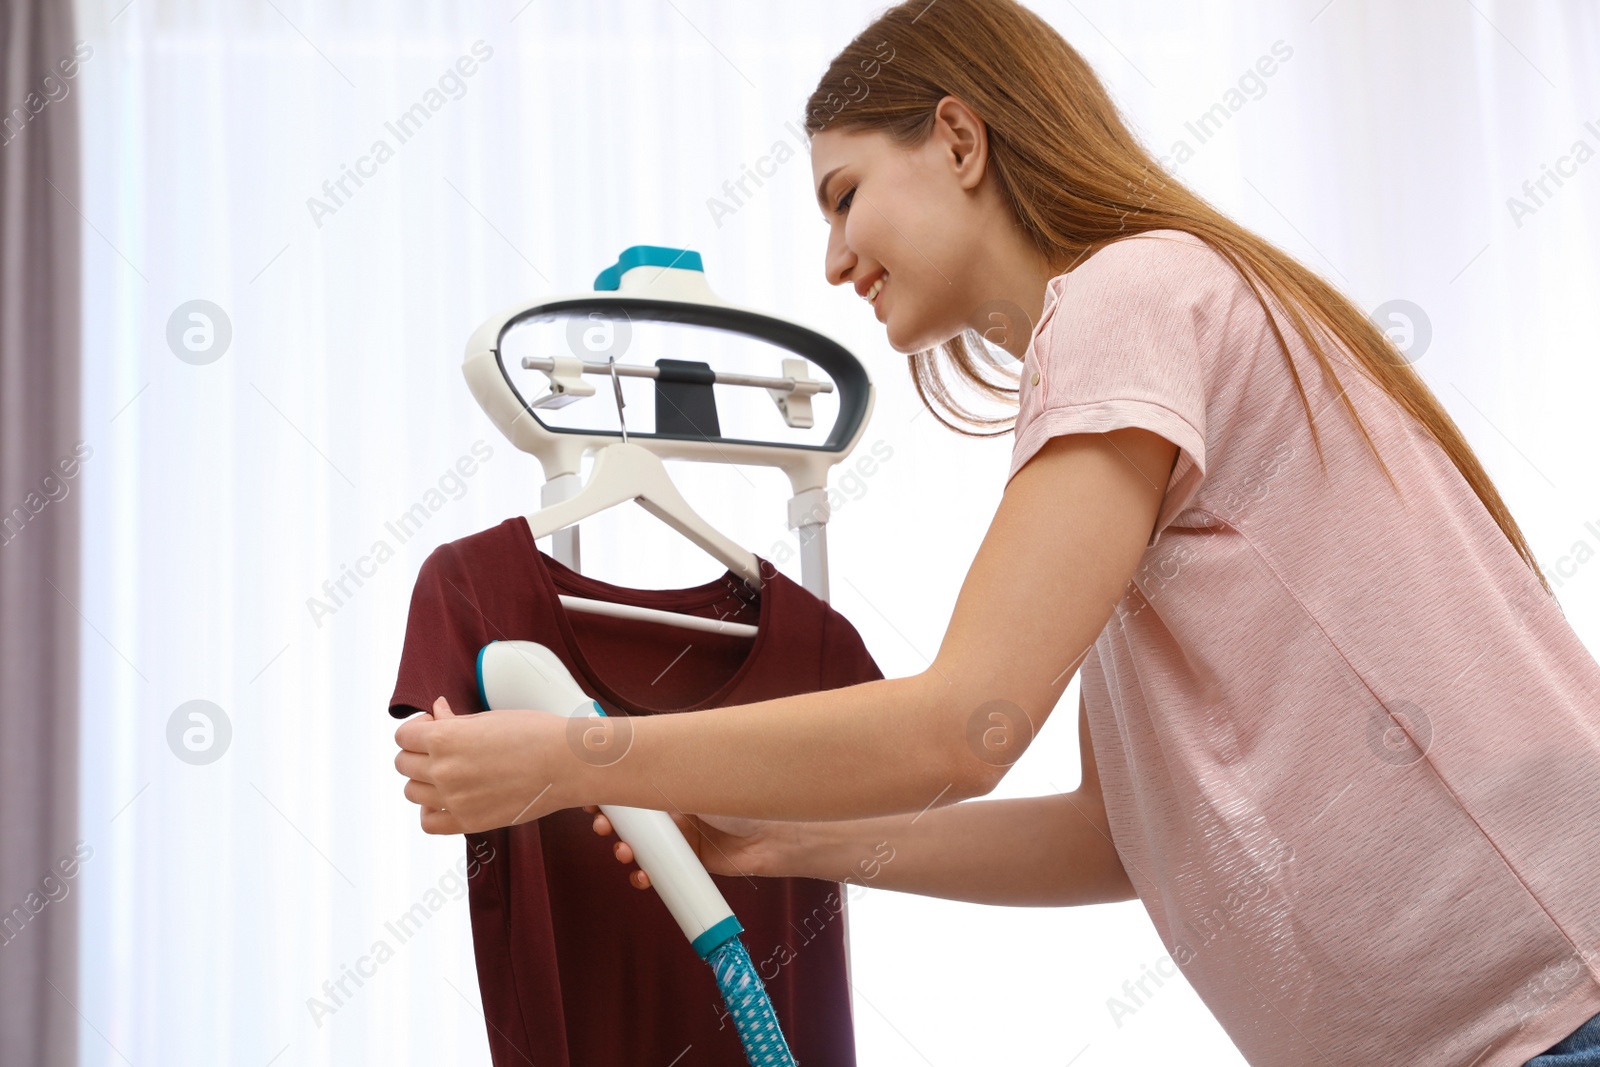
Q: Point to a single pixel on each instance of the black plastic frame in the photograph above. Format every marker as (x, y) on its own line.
(846, 371)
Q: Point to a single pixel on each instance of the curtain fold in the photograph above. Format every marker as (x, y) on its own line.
(41, 449)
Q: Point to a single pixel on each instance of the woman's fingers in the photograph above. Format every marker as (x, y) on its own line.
(622, 850)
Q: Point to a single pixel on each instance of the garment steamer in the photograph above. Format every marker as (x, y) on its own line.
(525, 674)
(651, 283)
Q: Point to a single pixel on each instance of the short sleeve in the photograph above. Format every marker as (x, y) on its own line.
(1121, 344)
(445, 627)
(845, 659)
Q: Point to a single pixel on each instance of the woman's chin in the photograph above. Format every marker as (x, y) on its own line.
(899, 338)
(910, 342)
(905, 348)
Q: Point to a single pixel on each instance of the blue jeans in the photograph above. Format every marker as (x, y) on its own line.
(1581, 1048)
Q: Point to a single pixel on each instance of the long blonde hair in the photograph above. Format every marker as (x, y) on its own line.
(1077, 179)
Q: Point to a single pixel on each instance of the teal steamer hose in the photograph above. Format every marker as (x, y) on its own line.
(526, 674)
(745, 996)
(749, 1005)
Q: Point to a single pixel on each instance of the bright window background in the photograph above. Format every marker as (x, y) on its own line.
(221, 497)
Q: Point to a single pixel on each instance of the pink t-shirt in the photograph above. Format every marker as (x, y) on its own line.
(1350, 748)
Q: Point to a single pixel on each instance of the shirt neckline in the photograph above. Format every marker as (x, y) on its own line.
(1052, 287)
(555, 578)
(1052, 296)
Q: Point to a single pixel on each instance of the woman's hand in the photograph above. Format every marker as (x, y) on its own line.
(726, 844)
(477, 772)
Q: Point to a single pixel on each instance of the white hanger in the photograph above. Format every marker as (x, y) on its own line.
(624, 472)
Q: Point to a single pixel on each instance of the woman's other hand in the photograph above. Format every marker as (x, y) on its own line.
(726, 844)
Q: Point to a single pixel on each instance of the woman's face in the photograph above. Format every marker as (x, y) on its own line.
(922, 220)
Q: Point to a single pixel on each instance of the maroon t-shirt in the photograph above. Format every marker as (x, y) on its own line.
(577, 967)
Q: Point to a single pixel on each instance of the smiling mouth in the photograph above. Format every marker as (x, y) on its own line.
(871, 295)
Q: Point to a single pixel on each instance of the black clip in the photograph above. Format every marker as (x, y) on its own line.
(685, 404)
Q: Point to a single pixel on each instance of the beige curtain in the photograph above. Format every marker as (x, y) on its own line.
(39, 526)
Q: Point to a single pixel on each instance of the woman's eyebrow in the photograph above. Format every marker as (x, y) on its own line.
(822, 189)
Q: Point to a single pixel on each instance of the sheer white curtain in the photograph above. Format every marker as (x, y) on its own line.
(246, 461)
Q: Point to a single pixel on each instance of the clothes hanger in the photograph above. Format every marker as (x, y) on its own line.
(624, 472)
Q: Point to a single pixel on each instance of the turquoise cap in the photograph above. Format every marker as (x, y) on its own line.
(646, 256)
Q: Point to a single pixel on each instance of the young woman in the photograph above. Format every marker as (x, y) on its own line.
(1336, 733)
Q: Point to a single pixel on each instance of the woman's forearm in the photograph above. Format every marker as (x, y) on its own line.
(881, 747)
(1050, 851)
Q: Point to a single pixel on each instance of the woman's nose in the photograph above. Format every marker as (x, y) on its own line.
(838, 263)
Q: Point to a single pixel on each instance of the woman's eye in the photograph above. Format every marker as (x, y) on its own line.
(845, 200)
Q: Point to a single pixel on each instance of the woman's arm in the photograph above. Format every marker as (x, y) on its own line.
(1071, 528)
(1069, 532)
(1052, 851)
(1043, 852)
